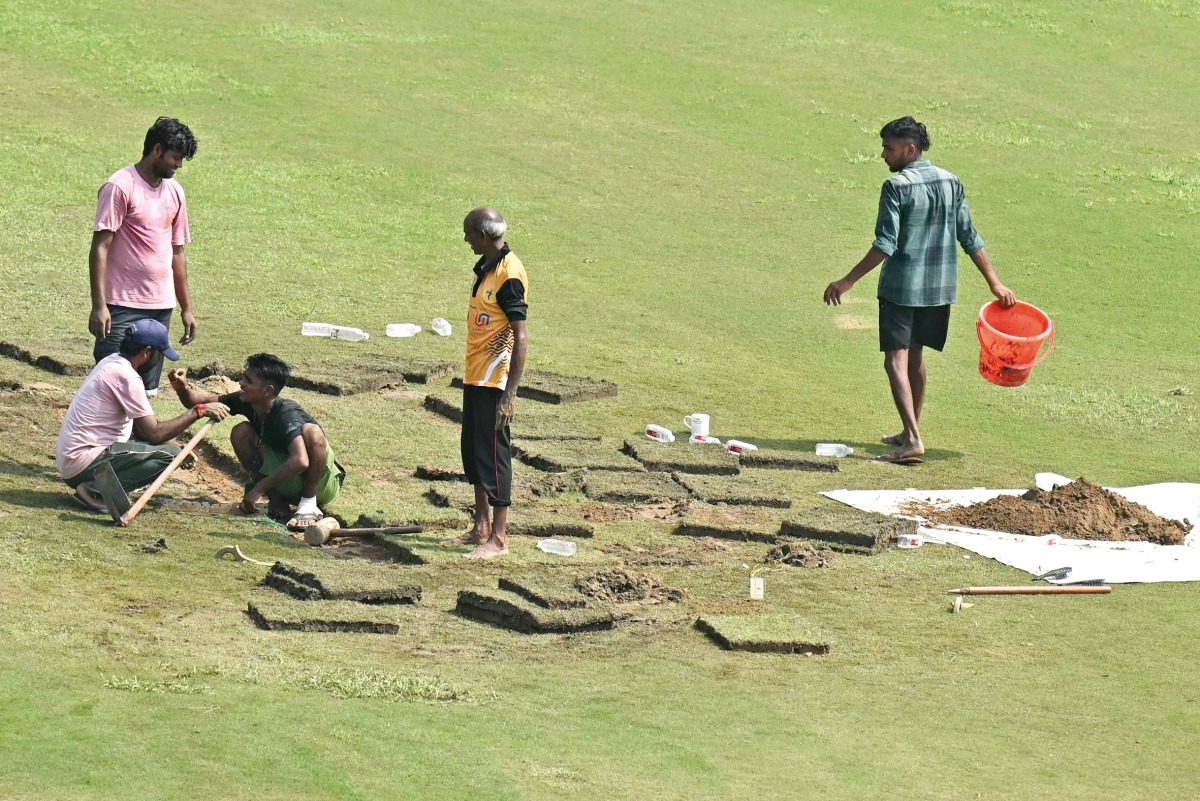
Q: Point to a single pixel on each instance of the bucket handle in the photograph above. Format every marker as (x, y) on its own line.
(1031, 365)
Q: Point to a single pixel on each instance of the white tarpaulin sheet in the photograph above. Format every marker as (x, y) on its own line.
(1112, 562)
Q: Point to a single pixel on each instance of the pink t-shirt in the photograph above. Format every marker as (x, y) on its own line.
(102, 412)
(146, 223)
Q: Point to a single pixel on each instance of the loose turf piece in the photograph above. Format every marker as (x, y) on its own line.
(343, 580)
(446, 408)
(741, 490)
(683, 457)
(799, 554)
(845, 529)
(452, 494)
(790, 460)
(539, 385)
(558, 457)
(620, 487)
(779, 634)
(278, 612)
(435, 473)
(511, 611)
(745, 523)
(552, 528)
(547, 591)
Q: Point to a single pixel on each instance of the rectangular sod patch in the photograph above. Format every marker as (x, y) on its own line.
(59, 365)
(569, 529)
(546, 387)
(620, 487)
(845, 529)
(278, 612)
(790, 460)
(741, 490)
(450, 409)
(745, 523)
(555, 456)
(683, 457)
(511, 611)
(776, 634)
(547, 591)
(343, 580)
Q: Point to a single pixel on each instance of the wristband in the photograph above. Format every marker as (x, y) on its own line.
(199, 409)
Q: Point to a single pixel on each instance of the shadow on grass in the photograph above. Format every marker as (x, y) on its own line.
(865, 450)
(12, 467)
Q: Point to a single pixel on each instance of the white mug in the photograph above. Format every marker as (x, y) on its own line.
(697, 423)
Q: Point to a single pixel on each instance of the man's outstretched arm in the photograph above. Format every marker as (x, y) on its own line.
(1005, 295)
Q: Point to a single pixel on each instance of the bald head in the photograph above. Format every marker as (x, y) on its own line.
(487, 221)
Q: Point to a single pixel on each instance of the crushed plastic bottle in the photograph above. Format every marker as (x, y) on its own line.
(659, 433)
(344, 333)
(403, 330)
(909, 540)
(557, 547)
(737, 446)
(441, 327)
(833, 449)
(703, 439)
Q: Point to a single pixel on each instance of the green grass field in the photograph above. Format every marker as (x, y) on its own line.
(681, 182)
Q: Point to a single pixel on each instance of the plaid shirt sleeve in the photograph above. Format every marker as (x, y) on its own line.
(887, 223)
(968, 237)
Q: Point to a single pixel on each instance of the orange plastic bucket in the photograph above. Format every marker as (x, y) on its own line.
(1009, 341)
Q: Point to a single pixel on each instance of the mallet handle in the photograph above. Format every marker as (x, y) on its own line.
(127, 518)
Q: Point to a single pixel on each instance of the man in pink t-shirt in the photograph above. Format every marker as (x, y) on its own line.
(110, 406)
(137, 264)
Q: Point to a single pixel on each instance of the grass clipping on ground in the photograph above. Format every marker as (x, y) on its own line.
(780, 634)
(1079, 510)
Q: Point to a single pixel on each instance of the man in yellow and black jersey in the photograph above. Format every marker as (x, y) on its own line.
(496, 343)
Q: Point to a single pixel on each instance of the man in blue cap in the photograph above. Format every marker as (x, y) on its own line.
(111, 406)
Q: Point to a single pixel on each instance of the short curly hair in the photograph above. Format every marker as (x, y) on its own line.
(907, 128)
(172, 135)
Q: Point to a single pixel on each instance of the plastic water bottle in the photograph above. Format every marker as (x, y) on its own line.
(659, 433)
(909, 540)
(703, 439)
(441, 327)
(737, 446)
(403, 330)
(344, 333)
(833, 449)
(557, 547)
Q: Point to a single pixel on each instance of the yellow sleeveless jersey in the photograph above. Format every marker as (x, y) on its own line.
(489, 333)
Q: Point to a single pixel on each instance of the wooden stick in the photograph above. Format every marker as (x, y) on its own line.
(127, 518)
(1035, 590)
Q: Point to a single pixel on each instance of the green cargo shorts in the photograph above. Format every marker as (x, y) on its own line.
(136, 464)
(327, 490)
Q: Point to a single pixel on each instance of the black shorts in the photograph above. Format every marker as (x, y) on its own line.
(121, 319)
(486, 452)
(901, 327)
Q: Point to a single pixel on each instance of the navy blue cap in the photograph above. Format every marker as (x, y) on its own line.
(153, 333)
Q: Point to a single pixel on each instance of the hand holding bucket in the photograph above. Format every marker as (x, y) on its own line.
(1009, 341)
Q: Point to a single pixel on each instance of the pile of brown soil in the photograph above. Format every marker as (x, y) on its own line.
(1080, 510)
(621, 587)
(800, 554)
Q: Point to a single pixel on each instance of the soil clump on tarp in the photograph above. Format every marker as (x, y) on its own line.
(1080, 510)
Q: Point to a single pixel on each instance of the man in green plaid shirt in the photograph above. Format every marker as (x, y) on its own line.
(922, 215)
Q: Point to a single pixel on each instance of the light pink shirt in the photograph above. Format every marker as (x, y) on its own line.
(102, 412)
(146, 223)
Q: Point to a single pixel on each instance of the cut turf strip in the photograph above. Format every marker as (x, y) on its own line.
(790, 460)
(511, 611)
(683, 457)
(620, 487)
(554, 529)
(848, 530)
(745, 523)
(559, 456)
(434, 473)
(547, 592)
(742, 490)
(50, 364)
(539, 385)
(451, 410)
(775, 634)
(452, 495)
(343, 580)
(278, 612)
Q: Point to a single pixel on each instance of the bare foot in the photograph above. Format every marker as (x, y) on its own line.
(476, 536)
(897, 440)
(488, 550)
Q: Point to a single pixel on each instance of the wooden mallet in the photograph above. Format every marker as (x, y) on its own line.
(320, 532)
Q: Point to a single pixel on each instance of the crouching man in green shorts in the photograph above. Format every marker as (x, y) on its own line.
(281, 447)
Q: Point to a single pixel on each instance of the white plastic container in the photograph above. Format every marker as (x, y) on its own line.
(833, 449)
(703, 439)
(909, 540)
(659, 433)
(557, 547)
(756, 588)
(403, 330)
(441, 327)
(737, 446)
(344, 333)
